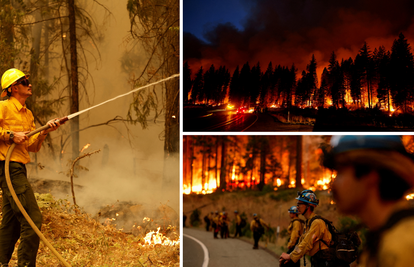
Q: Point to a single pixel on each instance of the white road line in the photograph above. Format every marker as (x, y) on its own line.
(206, 257)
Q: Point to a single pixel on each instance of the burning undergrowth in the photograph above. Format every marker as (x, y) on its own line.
(86, 241)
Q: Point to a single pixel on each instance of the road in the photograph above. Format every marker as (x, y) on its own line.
(222, 252)
(217, 121)
(220, 120)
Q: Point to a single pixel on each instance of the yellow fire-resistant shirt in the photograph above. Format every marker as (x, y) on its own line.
(238, 219)
(310, 242)
(17, 118)
(295, 229)
(395, 248)
(254, 225)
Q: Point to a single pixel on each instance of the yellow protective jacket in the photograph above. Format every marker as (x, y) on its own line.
(17, 118)
(254, 225)
(310, 242)
(238, 219)
(395, 247)
(295, 230)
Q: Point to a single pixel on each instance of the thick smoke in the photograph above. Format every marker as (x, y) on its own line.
(287, 32)
(130, 166)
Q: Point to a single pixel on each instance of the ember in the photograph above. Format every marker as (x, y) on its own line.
(85, 147)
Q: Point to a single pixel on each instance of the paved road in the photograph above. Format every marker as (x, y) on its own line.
(218, 120)
(223, 252)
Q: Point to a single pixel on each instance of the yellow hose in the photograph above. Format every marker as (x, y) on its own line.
(21, 208)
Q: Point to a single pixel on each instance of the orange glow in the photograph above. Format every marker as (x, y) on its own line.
(278, 182)
(410, 196)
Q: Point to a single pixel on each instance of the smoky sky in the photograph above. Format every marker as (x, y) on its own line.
(288, 32)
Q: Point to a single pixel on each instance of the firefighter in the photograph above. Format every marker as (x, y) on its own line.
(238, 224)
(315, 236)
(224, 225)
(295, 230)
(207, 220)
(215, 224)
(373, 175)
(257, 226)
(15, 122)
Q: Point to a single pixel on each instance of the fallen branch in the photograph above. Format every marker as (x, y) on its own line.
(71, 172)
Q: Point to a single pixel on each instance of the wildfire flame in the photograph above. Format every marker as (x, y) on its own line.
(410, 196)
(85, 147)
(155, 238)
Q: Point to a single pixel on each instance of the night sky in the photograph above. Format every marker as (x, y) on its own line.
(232, 32)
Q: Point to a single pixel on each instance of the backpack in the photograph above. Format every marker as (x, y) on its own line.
(344, 246)
(243, 222)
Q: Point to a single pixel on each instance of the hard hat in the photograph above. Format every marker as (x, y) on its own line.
(9, 77)
(254, 215)
(308, 196)
(293, 209)
(378, 151)
(236, 211)
(347, 143)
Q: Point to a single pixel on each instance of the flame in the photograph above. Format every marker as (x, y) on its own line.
(278, 182)
(230, 107)
(155, 238)
(85, 147)
(146, 219)
(410, 196)
(187, 189)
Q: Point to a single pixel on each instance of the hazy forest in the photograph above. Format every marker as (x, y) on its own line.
(79, 54)
(374, 79)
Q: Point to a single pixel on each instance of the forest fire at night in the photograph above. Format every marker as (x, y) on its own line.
(230, 163)
(327, 73)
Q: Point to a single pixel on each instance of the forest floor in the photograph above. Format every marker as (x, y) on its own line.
(84, 241)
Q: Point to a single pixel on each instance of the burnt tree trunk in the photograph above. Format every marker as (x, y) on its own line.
(74, 105)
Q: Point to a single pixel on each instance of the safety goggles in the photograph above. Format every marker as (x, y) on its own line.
(23, 81)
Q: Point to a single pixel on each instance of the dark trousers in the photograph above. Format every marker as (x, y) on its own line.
(256, 236)
(14, 225)
(238, 231)
(208, 226)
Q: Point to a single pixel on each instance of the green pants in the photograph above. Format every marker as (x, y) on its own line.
(14, 225)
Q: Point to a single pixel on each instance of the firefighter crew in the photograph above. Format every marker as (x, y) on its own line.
(257, 226)
(312, 242)
(238, 224)
(374, 173)
(15, 122)
(295, 230)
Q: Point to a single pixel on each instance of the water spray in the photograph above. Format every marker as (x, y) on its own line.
(61, 121)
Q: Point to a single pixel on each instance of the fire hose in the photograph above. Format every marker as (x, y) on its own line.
(16, 199)
(61, 121)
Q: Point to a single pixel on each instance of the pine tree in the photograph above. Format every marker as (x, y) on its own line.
(187, 82)
(401, 73)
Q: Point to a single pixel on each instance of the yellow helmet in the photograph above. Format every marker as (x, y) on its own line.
(9, 77)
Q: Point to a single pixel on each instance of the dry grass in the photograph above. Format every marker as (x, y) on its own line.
(82, 241)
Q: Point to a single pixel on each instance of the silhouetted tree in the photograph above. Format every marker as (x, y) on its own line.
(187, 82)
(401, 72)
(198, 86)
